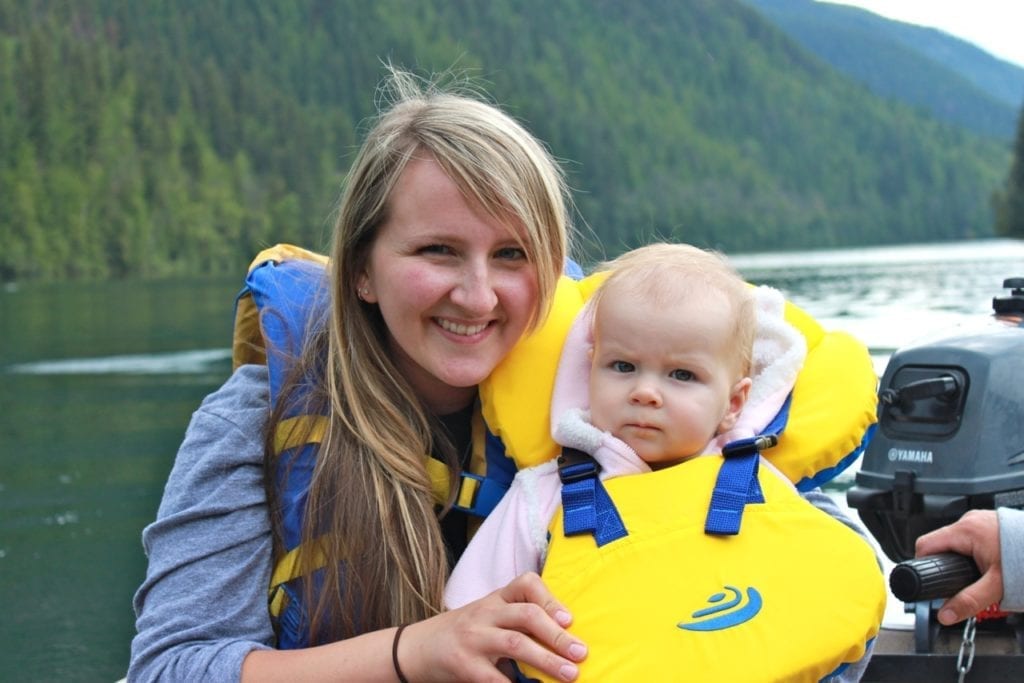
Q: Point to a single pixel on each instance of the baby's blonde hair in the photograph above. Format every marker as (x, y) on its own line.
(666, 273)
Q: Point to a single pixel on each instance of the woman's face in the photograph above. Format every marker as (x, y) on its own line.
(453, 285)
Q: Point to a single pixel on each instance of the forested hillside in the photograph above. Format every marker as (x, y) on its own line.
(954, 80)
(148, 137)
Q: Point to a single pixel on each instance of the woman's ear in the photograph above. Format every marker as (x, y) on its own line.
(363, 289)
(737, 399)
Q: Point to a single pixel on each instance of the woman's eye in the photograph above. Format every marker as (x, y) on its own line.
(436, 249)
(681, 375)
(621, 366)
(511, 254)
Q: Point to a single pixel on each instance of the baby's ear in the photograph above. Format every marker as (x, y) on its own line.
(737, 399)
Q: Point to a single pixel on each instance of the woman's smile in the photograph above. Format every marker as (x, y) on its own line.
(461, 329)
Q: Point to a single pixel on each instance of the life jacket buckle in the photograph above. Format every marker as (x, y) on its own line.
(753, 445)
(576, 465)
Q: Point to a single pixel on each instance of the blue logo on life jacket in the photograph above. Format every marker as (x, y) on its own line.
(722, 616)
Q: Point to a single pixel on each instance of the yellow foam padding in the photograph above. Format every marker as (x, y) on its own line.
(834, 401)
(516, 397)
(821, 589)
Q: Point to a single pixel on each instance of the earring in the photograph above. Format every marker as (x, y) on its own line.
(362, 293)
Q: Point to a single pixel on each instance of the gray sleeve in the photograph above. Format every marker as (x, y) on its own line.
(821, 500)
(203, 604)
(1011, 547)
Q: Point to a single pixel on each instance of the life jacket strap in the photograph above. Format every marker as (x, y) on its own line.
(488, 476)
(286, 569)
(476, 494)
(586, 506)
(299, 431)
(736, 485)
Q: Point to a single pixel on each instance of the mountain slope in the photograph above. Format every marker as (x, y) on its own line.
(1002, 80)
(954, 80)
(140, 137)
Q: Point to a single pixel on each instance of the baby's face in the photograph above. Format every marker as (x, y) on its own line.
(663, 380)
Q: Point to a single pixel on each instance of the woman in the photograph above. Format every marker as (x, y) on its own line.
(451, 234)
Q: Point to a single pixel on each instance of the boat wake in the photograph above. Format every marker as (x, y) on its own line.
(171, 363)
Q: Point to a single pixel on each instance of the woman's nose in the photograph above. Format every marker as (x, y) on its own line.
(475, 291)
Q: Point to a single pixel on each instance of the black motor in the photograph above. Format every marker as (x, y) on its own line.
(950, 432)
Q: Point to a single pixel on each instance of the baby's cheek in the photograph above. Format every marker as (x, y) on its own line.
(598, 412)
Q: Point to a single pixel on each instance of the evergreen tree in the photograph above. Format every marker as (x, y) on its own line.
(1010, 202)
(145, 138)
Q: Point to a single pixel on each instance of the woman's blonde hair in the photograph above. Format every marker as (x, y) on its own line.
(370, 512)
(664, 273)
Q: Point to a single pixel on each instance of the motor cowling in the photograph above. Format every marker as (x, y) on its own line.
(950, 432)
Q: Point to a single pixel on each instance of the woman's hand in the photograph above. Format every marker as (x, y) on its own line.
(521, 621)
(476, 642)
(976, 535)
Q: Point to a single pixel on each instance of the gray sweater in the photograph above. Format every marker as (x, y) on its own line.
(203, 605)
(1011, 541)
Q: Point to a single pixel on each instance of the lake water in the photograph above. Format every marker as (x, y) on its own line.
(99, 380)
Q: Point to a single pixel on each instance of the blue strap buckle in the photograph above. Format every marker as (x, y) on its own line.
(575, 465)
(736, 485)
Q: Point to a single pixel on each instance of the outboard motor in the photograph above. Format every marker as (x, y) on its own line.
(950, 434)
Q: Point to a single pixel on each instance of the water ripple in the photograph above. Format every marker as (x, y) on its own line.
(171, 363)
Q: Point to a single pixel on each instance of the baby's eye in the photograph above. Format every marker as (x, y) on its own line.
(510, 254)
(681, 375)
(621, 366)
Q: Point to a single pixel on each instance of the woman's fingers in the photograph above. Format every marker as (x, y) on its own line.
(521, 621)
(530, 588)
(528, 634)
(531, 629)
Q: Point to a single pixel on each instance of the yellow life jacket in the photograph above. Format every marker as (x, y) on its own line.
(828, 420)
(663, 558)
(792, 597)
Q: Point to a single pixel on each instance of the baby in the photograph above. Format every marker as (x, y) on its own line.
(655, 371)
(668, 575)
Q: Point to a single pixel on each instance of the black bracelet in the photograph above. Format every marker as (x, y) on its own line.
(394, 655)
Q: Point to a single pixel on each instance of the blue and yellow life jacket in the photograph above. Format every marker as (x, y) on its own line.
(284, 298)
(828, 419)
